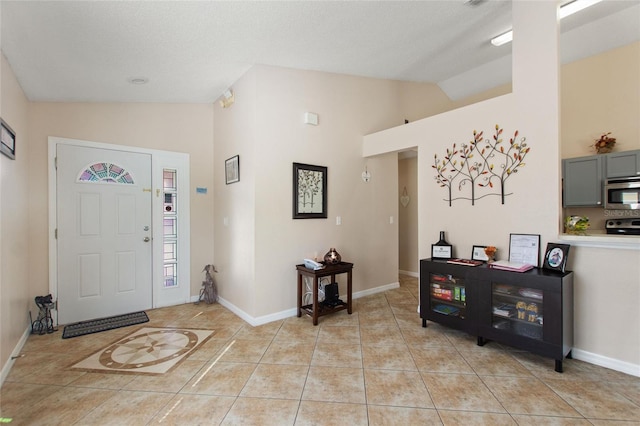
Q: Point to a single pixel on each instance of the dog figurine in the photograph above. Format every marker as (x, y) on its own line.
(209, 291)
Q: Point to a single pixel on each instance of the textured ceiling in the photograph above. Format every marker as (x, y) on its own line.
(86, 51)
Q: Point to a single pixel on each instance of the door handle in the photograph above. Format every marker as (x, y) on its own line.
(146, 239)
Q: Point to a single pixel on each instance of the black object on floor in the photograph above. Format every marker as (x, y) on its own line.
(102, 324)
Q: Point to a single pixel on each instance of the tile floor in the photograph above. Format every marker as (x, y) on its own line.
(377, 366)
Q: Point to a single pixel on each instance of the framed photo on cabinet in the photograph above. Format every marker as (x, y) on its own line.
(556, 256)
(478, 253)
(525, 248)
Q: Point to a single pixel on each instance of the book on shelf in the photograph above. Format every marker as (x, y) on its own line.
(466, 262)
(510, 266)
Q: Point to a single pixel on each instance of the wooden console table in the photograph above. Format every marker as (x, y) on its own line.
(316, 309)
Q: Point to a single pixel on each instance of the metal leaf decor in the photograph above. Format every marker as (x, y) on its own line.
(483, 163)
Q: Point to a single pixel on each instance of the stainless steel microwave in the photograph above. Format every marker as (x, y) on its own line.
(622, 193)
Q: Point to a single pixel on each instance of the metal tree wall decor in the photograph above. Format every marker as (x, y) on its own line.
(484, 163)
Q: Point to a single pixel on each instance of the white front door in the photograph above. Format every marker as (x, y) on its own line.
(104, 247)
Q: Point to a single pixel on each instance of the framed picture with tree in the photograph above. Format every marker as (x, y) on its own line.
(309, 191)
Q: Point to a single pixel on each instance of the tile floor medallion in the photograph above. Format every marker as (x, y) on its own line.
(149, 350)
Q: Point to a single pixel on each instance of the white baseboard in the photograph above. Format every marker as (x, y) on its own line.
(288, 313)
(15, 353)
(603, 361)
(410, 273)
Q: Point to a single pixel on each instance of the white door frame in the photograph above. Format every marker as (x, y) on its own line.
(160, 160)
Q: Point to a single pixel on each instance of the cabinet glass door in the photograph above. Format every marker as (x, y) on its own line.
(518, 310)
(448, 295)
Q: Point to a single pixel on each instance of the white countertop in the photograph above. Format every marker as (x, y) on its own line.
(602, 239)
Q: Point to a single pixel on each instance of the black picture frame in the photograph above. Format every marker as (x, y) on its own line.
(478, 253)
(232, 169)
(7, 140)
(555, 257)
(309, 191)
(525, 248)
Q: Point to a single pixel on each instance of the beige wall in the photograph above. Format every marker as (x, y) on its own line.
(16, 278)
(600, 335)
(601, 94)
(265, 127)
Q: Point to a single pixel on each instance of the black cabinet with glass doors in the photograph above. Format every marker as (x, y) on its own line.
(530, 310)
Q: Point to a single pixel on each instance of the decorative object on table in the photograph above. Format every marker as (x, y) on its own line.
(404, 198)
(209, 290)
(483, 164)
(8, 140)
(525, 248)
(332, 257)
(576, 225)
(605, 143)
(442, 249)
(232, 169)
(556, 256)
(490, 252)
(309, 191)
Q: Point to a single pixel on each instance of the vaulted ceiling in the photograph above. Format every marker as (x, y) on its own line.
(192, 51)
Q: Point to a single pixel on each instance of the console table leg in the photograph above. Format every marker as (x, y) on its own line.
(481, 341)
(349, 291)
(299, 294)
(315, 300)
(424, 323)
(559, 365)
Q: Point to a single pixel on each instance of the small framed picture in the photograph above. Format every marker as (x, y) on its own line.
(556, 256)
(525, 248)
(8, 140)
(478, 253)
(232, 169)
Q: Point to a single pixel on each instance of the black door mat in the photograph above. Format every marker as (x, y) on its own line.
(102, 324)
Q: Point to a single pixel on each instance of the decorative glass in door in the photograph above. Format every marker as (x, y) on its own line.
(170, 227)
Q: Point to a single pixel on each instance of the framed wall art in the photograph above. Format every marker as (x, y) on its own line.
(232, 169)
(556, 256)
(525, 248)
(309, 191)
(7, 140)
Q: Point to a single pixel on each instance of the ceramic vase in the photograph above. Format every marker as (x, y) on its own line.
(332, 257)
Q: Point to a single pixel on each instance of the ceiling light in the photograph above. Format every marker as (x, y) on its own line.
(138, 80)
(565, 10)
(228, 98)
(502, 38)
(575, 6)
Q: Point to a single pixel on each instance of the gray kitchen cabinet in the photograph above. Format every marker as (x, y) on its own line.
(582, 179)
(622, 164)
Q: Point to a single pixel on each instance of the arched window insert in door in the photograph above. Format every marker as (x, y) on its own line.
(105, 173)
